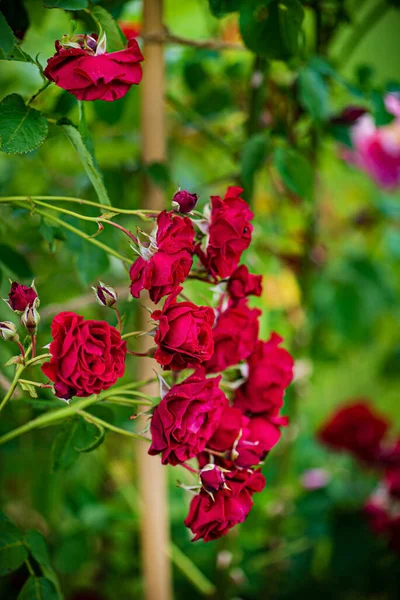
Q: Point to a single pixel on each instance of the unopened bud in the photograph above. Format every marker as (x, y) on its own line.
(31, 318)
(212, 478)
(105, 295)
(21, 296)
(184, 202)
(8, 331)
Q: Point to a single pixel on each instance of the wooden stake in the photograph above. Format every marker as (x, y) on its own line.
(152, 475)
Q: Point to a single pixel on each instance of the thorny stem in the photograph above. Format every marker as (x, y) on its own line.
(91, 418)
(122, 211)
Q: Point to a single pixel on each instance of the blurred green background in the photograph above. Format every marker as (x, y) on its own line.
(341, 322)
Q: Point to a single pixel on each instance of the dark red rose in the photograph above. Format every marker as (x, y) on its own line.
(184, 202)
(258, 437)
(394, 534)
(357, 429)
(392, 480)
(91, 76)
(186, 418)
(270, 373)
(174, 233)
(229, 233)
(348, 116)
(235, 336)
(161, 270)
(161, 274)
(377, 516)
(86, 356)
(211, 518)
(241, 283)
(20, 297)
(184, 334)
(212, 478)
(228, 430)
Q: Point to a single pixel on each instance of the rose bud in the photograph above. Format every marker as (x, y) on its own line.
(184, 202)
(31, 318)
(212, 478)
(105, 295)
(8, 331)
(21, 296)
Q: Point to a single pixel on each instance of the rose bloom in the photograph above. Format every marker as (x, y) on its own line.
(211, 518)
(212, 478)
(270, 373)
(20, 297)
(167, 265)
(357, 429)
(88, 73)
(184, 202)
(242, 283)
(130, 29)
(186, 418)
(184, 334)
(229, 233)
(86, 356)
(377, 148)
(235, 336)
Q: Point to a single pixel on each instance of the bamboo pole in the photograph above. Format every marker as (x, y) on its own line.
(152, 475)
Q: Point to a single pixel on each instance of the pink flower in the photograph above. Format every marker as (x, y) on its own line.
(210, 518)
(78, 68)
(377, 148)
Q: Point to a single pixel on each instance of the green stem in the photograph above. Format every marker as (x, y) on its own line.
(14, 383)
(36, 359)
(188, 568)
(122, 211)
(29, 567)
(126, 386)
(97, 421)
(35, 383)
(48, 419)
(120, 400)
(84, 236)
(133, 334)
(44, 86)
(136, 394)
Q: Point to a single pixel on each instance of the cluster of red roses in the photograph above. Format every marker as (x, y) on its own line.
(363, 433)
(195, 417)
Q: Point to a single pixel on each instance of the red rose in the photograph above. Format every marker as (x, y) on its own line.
(184, 202)
(235, 336)
(392, 480)
(211, 518)
(174, 233)
(241, 283)
(90, 76)
(228, 430)
(258, 437)
(184, 335)
(86, 356)
(161, 274)
(212, 478)
(357, 429)
(270, 372)
(130, 29)
(186, 418)
(170, 260)
(229, 233)
(20, 297)
(377, 516)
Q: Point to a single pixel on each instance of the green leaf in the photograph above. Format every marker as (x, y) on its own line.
(88, 437)
(295, 171)
(38, 588)
(87, 160)
(12, 550)
(381, 115)
(22, 128)
(38, 548)
(28, 387)
(115, 38)
(64, 454)
(252, 159)
(313, 94)
(219, 8)
(271, 28)
(66, 4)
(15, 262)
(158, 173)
(9, 48)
